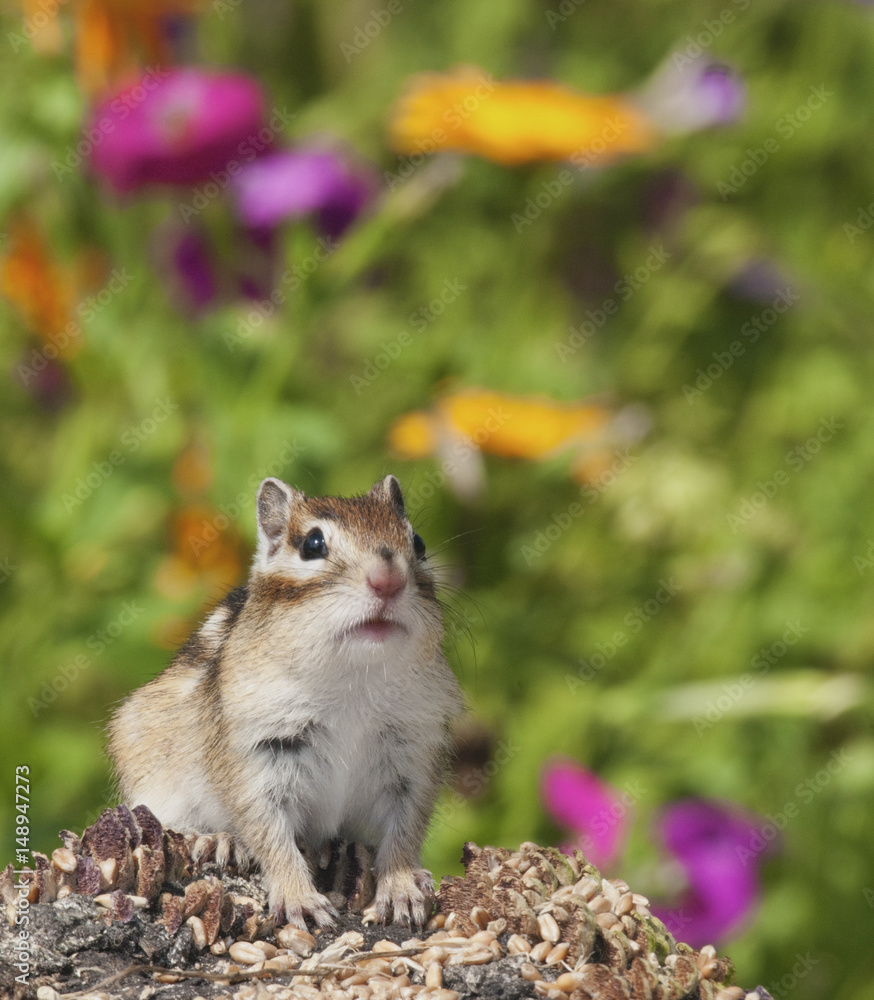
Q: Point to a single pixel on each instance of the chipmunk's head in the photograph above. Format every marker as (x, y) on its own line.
(354, 564)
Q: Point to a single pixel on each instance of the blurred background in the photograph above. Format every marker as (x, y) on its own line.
(613, 333)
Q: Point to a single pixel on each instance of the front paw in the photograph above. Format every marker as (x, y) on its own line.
(404, 896)
(293, 907)
(223, 848)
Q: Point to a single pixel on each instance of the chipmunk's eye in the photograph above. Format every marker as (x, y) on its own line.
(418, 546)
(314, 546)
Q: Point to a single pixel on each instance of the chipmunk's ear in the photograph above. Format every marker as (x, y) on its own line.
(274, 503)
(389, 489)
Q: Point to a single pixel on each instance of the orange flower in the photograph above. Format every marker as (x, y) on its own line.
(40, 289)
(207, 549)
(515, 121)
(114, 39)
(529, 427)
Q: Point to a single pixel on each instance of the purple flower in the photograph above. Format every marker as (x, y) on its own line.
(294, 183)
(715, 844)
(182, 128)
(200, 272)
(594, 810)
(688, 93)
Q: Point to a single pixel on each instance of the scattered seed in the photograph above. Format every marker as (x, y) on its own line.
(65, 859)
(385, 945)
(599, 904)
(436, 922)
(480, 916)
(299, 941)
(558, 954)
(497, 927)
(198, 932)
(587, 888)
(434, 955)
(540, 951)
(477, 956)
(246, 952)
(518, 945)
(570, 981)
(484, 937)
(548, 928)
(625, 904)
(434, 976)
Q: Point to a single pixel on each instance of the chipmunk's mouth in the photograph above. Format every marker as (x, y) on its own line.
(378, 628)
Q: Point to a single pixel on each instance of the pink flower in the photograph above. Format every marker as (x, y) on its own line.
(297, 182)
(715, 844)
(183, 128)
(579, 800)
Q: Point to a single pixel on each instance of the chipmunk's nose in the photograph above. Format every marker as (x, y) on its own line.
(385, 579)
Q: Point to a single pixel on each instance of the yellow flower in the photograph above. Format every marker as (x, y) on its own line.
(464, 424)
(515, 121)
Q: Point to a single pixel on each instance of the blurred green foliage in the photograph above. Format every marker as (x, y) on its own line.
(688, 505)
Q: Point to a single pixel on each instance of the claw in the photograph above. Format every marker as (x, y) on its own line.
(317, 907)
(403, 896)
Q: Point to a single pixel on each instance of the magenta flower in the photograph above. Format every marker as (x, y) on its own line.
(712, 841)
(593, 809)
(688, 93)
(294, 183)
(182, 128)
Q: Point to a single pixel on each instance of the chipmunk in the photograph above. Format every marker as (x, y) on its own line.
(313, 703)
